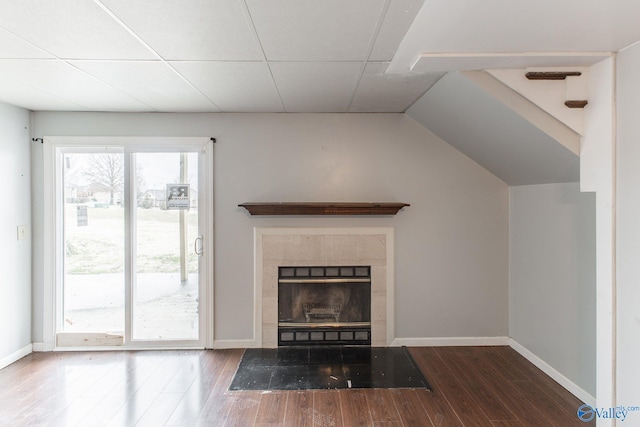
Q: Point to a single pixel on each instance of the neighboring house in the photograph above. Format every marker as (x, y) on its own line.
(94, 194)
(153, 199)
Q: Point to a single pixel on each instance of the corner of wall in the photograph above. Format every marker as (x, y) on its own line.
(565, 382)
(16, 355)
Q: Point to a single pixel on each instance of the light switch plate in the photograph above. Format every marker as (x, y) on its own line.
(23, 232)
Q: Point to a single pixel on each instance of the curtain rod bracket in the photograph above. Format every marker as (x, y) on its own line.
(213, 140)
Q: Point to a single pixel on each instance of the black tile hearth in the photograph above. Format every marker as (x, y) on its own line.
(309, 368)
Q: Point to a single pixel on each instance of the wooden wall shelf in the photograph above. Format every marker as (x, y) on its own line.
(322, 208)
(552, 75)
(576, 103)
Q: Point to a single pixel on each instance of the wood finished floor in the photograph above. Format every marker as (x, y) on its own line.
(473, 386)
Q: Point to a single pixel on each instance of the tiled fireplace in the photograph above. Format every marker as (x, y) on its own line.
(282, 247)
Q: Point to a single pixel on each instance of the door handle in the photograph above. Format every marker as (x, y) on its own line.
(197, 246)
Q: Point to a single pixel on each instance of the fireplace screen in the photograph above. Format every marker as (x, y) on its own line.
(324, 305)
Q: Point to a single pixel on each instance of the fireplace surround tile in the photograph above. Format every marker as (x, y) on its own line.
(270, 310)
(371, 247)
(378, 306)
(379, 279)
(278, 248)
(308, 248)
(340, 249)
(270, 279)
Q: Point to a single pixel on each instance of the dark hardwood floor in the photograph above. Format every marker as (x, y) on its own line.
(472, 386)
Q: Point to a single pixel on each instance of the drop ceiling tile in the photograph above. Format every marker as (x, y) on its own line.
(12, 46)
(152, 82)
(234, 86)
(18, 94)
(61, 80)
(316, 86)
(311, 30)
(74, 29)
(191, 30)
(389, 93)
(398, 19)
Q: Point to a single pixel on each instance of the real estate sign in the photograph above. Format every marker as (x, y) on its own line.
(178, 196)
(82, 215)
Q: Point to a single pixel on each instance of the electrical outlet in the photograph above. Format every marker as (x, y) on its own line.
(23, 232)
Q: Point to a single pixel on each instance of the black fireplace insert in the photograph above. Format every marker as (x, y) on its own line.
(324, 305)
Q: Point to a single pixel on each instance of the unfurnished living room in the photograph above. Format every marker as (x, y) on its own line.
(320, 213)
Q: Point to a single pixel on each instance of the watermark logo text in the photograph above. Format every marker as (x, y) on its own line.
(587, 413)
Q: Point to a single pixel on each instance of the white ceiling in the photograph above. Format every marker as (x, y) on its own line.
(306, 56)
(279, 55)
(206, 55)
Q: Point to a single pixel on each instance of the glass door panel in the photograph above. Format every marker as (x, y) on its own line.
(166, 238)
(93, 233)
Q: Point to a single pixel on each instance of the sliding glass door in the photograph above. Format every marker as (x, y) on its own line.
(133, 225)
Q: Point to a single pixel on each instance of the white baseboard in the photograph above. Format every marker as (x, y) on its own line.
(225, 344)
(39, 347)
(449, 341)
(16, 355)
(565, 382)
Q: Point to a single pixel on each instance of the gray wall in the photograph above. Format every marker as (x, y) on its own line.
(451, 243)
(15, 256)
(552, 293)
(628, 227)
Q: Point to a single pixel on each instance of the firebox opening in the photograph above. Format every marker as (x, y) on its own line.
(324, 305)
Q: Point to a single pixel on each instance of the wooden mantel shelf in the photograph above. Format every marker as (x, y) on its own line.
(322, 208)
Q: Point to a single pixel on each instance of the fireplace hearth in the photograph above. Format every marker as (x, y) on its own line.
(325, 305)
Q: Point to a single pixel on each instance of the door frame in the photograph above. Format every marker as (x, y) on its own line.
(53, 240)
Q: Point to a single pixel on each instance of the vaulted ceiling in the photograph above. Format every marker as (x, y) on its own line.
(297, 55)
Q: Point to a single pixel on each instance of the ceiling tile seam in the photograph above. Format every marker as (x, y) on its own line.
(221, 61)
(264, 54)
(98, 60)
(110, 85)
(372, 43)
(54, 56)
(332, 61)
(254, 31)
(120, 22)
(376, 33)
(273, 79)
(128, 29)
(193, 86)
(363, 66)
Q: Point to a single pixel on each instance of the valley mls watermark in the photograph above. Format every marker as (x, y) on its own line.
(587, 413)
